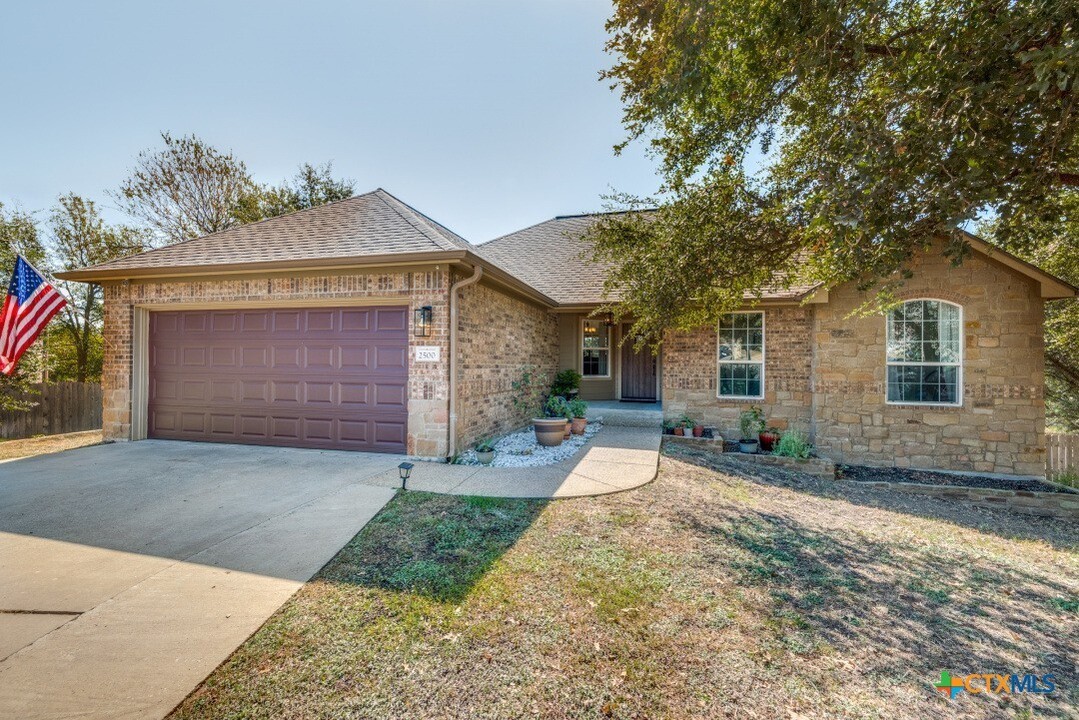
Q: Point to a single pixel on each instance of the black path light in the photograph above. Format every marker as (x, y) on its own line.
(404, 469)
(421, 326)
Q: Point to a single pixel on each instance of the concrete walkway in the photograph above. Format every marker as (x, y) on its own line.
(615, 459)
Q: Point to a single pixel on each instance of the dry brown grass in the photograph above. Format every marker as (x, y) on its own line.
(10, 449)
(713, 592)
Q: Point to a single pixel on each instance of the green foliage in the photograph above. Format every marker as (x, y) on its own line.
(529, 391)
(751, 423)
(793, 444)
(578, 408)
(557, 406)
(311, 186)
(81, 238)
(565, 382)
(826, 143)
(485, 445)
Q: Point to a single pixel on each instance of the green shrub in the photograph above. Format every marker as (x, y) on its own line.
(485, 445)
(566, 382)
(557, 407)
(751, 423)
(793, 444)
(578, 408)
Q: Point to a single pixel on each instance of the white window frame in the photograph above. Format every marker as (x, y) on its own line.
(582, 348)
(761, 362)
(958, 365)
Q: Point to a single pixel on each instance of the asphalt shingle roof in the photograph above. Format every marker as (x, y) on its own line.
(555, 258)
(375, 223)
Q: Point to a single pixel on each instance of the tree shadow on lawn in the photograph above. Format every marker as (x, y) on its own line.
(906, 608)
(434, 546)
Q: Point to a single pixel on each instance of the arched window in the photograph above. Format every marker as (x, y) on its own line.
(925, 353)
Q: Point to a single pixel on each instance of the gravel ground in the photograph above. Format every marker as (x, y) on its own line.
(928, 477)
(520, 449)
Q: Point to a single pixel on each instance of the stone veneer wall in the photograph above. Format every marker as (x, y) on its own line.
(825, 372)
(428, 421)
(498, 335)
(689, 374)
(1000, 426)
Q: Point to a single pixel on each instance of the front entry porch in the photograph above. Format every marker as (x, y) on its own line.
(626, 414)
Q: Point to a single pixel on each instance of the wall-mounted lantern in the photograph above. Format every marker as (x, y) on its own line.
(421, 327)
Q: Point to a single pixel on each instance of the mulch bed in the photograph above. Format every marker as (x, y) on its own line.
(928, 477)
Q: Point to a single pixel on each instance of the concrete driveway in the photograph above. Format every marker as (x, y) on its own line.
(130, 571)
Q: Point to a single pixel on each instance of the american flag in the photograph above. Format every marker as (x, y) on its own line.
(31, 302)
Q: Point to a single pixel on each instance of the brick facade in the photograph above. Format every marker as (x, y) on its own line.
(825, 373)
(689, 373)
(428, 382)
(498, 335)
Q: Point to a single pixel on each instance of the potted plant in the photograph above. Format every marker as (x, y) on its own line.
(528, 399)
(679, 429)
(769, 438)
(566, 384)
(698, 430)
(578, 409)
(750, 422)
(668, 427)
(485, 451)
(557, 409)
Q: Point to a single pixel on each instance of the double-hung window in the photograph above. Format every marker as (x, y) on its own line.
(595, 349)
(925, 353)
(740, 356)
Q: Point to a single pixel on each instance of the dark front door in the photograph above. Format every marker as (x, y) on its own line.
(303, 377)
(638, 371)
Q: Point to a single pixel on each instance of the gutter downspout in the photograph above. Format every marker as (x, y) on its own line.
(477, 273)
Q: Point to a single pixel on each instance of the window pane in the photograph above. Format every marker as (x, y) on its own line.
(594, 362)
(596, 335)
(923, 383)
(740, 379)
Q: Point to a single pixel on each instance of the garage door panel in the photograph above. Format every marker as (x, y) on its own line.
(389, 319)
(389, 433)
(390, 358)
(319, 377)
(223, 322)
(355, 320)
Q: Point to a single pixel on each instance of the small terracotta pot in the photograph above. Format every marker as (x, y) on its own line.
(679, 430)
(768, 440)
(569, 430)
(577, 425)
(698, 430)
(549, 431)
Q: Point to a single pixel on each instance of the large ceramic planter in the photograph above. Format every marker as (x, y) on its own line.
(578, 425)
(485, 457)
(748, 446)
(549, 431)
(768, 440)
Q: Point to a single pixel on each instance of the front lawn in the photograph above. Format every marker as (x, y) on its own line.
(716, 591)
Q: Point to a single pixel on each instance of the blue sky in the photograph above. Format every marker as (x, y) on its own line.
(486, 114)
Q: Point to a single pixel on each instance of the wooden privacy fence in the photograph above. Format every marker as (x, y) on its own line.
(1062, 457)
(61, 408)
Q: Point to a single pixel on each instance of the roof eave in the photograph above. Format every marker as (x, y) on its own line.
(105, 274)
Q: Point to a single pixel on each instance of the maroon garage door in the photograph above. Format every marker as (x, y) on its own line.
(304, 377)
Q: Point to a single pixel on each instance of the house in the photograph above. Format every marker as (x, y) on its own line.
(364, 324)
